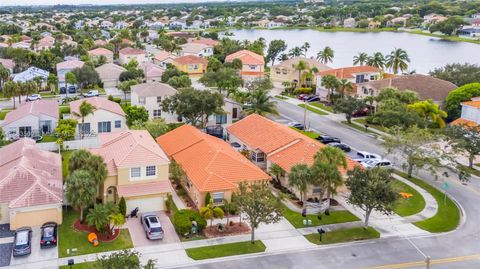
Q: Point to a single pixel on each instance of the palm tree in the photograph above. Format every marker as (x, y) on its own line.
(305, 48)
(126, 87)
(327, 162)
(361, 59)
(430, 112)
(4, 75)
(211, 212)
(52, 81)
(80, 190)
(331, 83)
(99, 217)
(276, 171)
(326, 55)
(344, 85)
(300, 67)
(85, 109)
(397, 60)
(10, 90)
(300, 177)
(295, 52)
(261, 103)
(377, 60)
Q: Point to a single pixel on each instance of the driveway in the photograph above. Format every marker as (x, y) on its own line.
(138, 234)
(115, 92)
(37, 254)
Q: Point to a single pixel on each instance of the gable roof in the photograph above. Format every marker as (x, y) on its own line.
(71, 64)
(131, 51)
(206, 41)
(190, 59)
(349, 72)
(164, 55)
(29, 176)
(100, 51)
(151, 70)
(210, 163)
(7, 63)
(153, 89)
(247, 57)
(34, 108)
(98, 103)
(129, 148)
(311, 63)
(194, 47)
(110, 71)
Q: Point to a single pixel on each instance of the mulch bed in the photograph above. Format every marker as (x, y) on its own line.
(83, 227)
(235, 229)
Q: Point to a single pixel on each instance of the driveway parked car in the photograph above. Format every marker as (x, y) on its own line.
(312, 98)
(297, 125)
(341, 146)
(376, 163)
(152, 226)
(303, 95)
(326, 139)
(91, 93)
(63, 90)
(365, 156)
(48, 235)
(22, 244)
(360, 113)
(236, 146)
(72, 89)
(34, 97)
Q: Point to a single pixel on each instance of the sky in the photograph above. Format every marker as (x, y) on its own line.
(90, 2)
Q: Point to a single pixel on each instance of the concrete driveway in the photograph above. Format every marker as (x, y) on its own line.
(37, 254)
(138, 234)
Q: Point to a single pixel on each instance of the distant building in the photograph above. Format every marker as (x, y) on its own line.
(252, 64)
(349, 23)
(95, 54)
(30, 74)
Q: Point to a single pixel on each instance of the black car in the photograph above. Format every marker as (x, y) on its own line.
(72, 89)
(326, 139)
(341, 146)
(49, 235)
(313, 98)
(63, 90)
(22, 244)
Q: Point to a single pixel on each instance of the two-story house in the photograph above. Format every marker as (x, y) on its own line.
(95, 54)
(253, 65)
(354, 74)
(470, 116)
(193, 65)
(137, 170)
(163, 58)
(128, 54)
(197, 49)
(150, 96)
(67, 66)
(286, 71)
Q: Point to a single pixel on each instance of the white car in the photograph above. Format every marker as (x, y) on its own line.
(376, 163)
(364, 156)
(34, 97)
(296, 125)
(91, 93)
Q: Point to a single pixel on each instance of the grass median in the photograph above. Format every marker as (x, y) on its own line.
(407, 207)
(447, 217)
(344, 235)
(313, 109)
(231, 249)
(296, 218)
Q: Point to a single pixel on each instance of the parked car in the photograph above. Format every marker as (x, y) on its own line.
(303, 95)
(22, 244)
(360, 113)
(72, 89)
(297, 125)
(236, 146)
(364, 156)
(34, 97)
(341, 146)
(326, 139)
(313, 98)
(376, 163)
(91, 93)
(48, 235)
(151, 225)
(63, 90)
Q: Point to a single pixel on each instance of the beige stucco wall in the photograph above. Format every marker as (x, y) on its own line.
(124, 175)
(35, 216)
(125, 59)
(101, 115)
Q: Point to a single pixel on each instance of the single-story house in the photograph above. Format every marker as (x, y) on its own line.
(95, 54)
(110, 74)
(31, 185)
(150, 96)
(30, 74)
(253, 65)
(138, 170)
(205, 41)
(211, 165)
(191, 64)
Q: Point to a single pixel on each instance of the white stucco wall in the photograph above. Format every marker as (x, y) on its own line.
(101, 115)
(29, 120)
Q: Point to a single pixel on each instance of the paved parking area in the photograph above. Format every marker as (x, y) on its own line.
(5, 254)
(37, 254)
(138, 234)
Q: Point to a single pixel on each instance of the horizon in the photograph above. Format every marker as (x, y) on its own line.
(26, 3)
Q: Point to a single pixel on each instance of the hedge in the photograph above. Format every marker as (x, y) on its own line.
(182, 221)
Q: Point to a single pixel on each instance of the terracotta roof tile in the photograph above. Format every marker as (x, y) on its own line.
(98, 103)
(348, 72)
(464, 122)
(131, 51)
(100, 51)
(35, 108)
(473, 103)
(247, 57)
(139, 189)
(190, 59)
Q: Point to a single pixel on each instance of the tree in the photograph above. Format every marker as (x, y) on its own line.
(182, 81)
(126, 87)
(135, 114)
(348, 105)
(155, 127)
(193, 105)
(326, 55)
(301, 177)
(275, 48)
(360, 59)
(10, 90)
(80, 190)
(4, 75)
(85, 109)
(257, 202)
(123, 259)
(224, 79)
(99, 216)
(276, 171)
(208, 197)
(325, 168)
(122, 206)
(465, 140)
(430, 112)
(458, 74)
(295, 52)
(449, 26)
(70, 78)
(211, 212)
(371, 189)
(66, 129)
(331, 83)
(261, 103)
(87, 76)
(459, 95)
(52, 81)
(397, 60)
(300, 67)
(171, 71)
(344, 85)
(305, 48)
(93, 164)
(377, 60)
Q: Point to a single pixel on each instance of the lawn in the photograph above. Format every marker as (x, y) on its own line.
(296, 218)
(472, 171)
(65, 158)
(447, 217)
(312, 135)
(344, 235)
(322, 106)
(3, 114)
(360, 128)
(281, 97)
(49, 138)
(314, 110)
(374, 126)
(225, 250)
(413, 205)
(83, 265)
(71, 239)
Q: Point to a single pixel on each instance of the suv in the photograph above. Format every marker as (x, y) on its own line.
(22, 244)
(91, 93)
(151, 225)
(48, 235)
(34, 97)
(376, 163)
(365, 156)
(326, 139)
(72, 89)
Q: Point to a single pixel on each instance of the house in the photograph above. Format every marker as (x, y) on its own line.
(67, 66)
(128, 54)
(232, 111)
(110, 74)
(100, 42)
(31, 185)
(30, 74)
(150, 96)
(151, 71)
(46, 42)
(349, 23)
(470, 116)
(253, 65)
(8, 64)
(374, 24)
(191, 64)
(269, 142)
(197, 49)
(285, 71)
(205, 41)
(399, 21)
(275, 23)
(354, 74)
(31, 119)
(210, 164)
(106, 25)
(427, 87)
(163, 58)
(433, 18)
(95, 54)
(119, 25)
(137, 170)
(177, 25)
(107, 117)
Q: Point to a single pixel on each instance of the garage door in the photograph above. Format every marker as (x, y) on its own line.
(109, 83)
(145, 204)
(35, 218)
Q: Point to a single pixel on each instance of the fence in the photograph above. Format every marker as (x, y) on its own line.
(87, 143)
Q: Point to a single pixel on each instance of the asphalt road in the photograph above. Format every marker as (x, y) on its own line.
(457, 249)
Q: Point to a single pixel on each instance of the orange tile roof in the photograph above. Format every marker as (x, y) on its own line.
(210, 163)
(247, 57)
(473, 103)
(190, 59)
(348, 72)
(464, 122)
(131, 51)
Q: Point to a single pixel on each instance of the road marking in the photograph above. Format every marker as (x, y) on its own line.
(422, 263)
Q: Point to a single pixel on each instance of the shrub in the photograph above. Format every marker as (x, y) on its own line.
(208, 197)
(122, 206)
(110, 97)
(182, 221)
(303, 91)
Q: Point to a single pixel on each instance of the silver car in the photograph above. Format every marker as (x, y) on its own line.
(152, 226)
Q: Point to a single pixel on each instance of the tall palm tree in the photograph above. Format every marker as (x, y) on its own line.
(305, 48)
(344, 85)
(300, 177)
(4, 75)
(360, 59)
(276, 171)
(328, 162)
(10, 90)
(80, 190)
(300, 67)
(331, 83)
(326, 55)
(261, 103)
(85, 109)
(397, 60)
(430, 112)
(295, 52)
(377, 60)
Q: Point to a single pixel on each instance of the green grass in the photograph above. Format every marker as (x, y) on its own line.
(314, 110)
(322, 106)
(296, 218)
(413, 205)
(446, 37)
(360, 128)
(312, 135)
(65, 158)
(344, 235)
(69, 238)
(83, 265)
(216, 251)
(3, 114)
(447, 217)
(281, 97)
(63, 110)
(48, 138)
(373, 126)
(472, 171)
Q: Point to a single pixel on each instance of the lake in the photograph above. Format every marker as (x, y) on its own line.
(426, 53)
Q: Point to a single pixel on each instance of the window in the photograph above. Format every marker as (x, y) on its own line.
(317, 190)
(141, 100)
(157, 113)
(151, 171)
(159, 99)
(253, 67)
(195, 67)
(118, 124)
(359, 78)
(258, 156)
(217, 197)
(135, 172)
(104, 127)
(221, 119)
(85, 128)
(277, 70)
(234, 112)
(373, 77)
